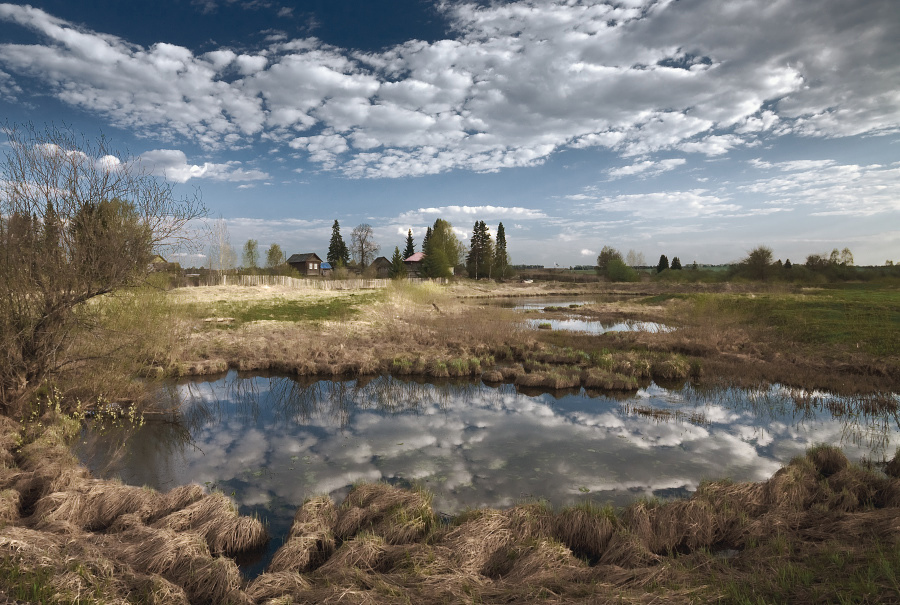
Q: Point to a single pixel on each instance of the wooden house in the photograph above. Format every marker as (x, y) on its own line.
(414, 264)
(308, 264)
(327, 269)
(382, 267)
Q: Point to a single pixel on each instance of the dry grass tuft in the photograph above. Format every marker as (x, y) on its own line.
(477, 539)
(363, 552)
(279, 584)
(399, 516)
(827, 459)
(794, 486)
(586, 529)
(303, 553)
(210, 580)
(892, 469)
(214, 518)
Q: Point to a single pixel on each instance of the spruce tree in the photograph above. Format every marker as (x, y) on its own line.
(480, 257)
(410, 245)
(338, 253)
(501, 258)
(676, 264)
(426, 239)
(398, 269)
(663, 263)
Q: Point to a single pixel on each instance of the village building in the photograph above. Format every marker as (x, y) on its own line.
(327, 269)
(307, 264)
(414, 264)
(381, 267)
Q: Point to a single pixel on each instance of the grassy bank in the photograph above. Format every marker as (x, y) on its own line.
(820, 530)
(843, 339)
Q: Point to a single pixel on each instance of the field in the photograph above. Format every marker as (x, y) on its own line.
(821, 530)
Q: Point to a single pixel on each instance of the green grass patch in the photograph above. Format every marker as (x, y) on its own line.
(339, 308)
(834, 574)
(31, 586)
(863, 318)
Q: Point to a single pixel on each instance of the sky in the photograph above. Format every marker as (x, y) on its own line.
(692, 128)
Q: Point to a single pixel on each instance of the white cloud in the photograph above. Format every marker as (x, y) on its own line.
(648, 167)
(462, 215)
(671, 204)
(519, 81)
(586, 252)
(829, 188)
(173, 165)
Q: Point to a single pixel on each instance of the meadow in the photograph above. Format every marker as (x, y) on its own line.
(822, 529)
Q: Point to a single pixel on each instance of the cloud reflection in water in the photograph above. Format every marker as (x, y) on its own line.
(276, 440)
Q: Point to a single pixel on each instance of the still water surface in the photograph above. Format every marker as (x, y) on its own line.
(270, 442)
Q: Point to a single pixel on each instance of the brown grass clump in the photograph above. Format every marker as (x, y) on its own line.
(596, 378)
(397, 515)
(363, 552)
(827, 459)
(794, 486)
(854, 488)
(478, 538)
(303, 553)
(892, 469)
(10, 500)
(94, 505)
(673, 368)
(279, 584)
(586, 529)
(211, 580)
(492, 376)
(311, 539)
(215, 519)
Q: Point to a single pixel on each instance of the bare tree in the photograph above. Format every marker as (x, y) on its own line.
(635, 259)
(77, 220)
(221, 253)
(362, 244)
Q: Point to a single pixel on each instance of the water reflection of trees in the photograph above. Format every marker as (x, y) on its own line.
(292, 401)
(867, 420)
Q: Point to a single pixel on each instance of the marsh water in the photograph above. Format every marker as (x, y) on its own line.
(269, 442)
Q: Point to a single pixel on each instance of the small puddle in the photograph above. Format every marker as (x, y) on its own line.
(597, 327)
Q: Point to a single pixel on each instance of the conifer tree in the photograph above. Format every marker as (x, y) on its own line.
(663, 263)
(676, 264)
(426, 239)
(501, 258)
(338, 253)
(398, 269)
(481, 253)
(410, 245)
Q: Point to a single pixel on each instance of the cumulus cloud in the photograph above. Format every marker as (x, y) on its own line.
(517, 82)
(671, 204)
(828, 188)
(646, 167)
(465, 214)
(587, 252)
(173, 165)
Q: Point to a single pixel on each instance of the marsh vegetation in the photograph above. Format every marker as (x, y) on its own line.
(805, 354)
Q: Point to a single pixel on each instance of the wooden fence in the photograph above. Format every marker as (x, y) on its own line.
(305, 284)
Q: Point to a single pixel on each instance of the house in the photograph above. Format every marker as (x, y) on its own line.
(308, 263)
(414, 264)
(327, 270)
(381, 266)
(158, 263)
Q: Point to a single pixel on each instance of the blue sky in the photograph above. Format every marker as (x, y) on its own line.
(691, 128)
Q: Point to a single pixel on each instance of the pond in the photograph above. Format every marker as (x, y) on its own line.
(271, 442)
(596, 327)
